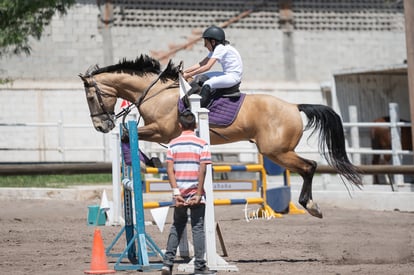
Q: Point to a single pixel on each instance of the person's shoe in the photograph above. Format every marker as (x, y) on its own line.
(203, 271)
(166, 270)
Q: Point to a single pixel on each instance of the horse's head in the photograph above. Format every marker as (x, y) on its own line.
(101, 104)
(130, 80)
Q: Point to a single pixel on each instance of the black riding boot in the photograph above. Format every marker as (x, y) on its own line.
(205, 95)
(195, 89)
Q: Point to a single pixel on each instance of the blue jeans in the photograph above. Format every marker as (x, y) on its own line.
(197, 227)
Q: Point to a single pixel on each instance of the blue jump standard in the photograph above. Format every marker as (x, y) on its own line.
(140, 246)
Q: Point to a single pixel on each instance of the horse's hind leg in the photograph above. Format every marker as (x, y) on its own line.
(306, 169)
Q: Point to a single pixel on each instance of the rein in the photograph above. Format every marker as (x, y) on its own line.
(127, 110)
(144, 94)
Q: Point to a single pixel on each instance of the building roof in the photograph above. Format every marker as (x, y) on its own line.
(396, 69)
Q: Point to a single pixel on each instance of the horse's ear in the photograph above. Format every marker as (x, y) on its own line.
(82, 77)
(180, 67)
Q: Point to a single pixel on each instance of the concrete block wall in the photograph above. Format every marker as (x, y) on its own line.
(74, 42)
(319, 55)
(68, 46)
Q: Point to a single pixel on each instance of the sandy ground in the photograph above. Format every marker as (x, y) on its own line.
(52, 237)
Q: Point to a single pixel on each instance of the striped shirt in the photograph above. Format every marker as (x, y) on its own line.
(187, 152)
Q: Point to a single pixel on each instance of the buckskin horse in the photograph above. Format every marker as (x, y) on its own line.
(275, 126)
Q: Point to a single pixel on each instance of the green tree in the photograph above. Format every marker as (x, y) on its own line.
(22, 19)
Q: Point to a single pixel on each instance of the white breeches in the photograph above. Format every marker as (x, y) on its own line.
(220, 80)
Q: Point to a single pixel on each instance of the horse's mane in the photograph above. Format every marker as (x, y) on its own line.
(142, 65)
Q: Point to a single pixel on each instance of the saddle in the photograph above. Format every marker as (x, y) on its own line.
(198, 82)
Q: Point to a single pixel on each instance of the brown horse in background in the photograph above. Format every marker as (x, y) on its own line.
(381, 140)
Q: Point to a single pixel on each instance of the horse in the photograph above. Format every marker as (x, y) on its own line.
(274, 125)
(381, 140)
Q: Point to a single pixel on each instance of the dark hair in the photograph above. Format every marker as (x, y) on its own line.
(187, 120)
(225, 42)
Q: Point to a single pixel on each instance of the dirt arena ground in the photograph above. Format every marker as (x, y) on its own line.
(52, 237)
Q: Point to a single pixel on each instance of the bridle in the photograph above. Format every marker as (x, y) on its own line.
(99, 96)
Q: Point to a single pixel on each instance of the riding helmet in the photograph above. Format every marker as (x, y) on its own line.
(214, 32)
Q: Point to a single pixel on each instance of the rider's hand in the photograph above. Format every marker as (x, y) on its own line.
(186, 76)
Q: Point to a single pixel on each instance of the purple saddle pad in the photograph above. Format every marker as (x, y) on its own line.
(223, 111)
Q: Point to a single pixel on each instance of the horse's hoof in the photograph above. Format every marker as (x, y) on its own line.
(313, 209)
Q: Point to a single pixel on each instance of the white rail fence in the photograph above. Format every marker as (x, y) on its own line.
(52, 141)
(60, 137)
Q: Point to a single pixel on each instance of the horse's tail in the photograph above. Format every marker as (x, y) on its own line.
(331, 139)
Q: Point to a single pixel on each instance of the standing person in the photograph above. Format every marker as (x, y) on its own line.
(187, 158)
(219, 50)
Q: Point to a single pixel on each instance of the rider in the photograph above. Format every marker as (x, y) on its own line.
(229, 58)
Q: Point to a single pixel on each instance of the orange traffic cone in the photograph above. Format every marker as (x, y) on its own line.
(98, 262)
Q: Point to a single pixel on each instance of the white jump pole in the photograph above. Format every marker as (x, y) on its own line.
(353, 118)
(214, 261)
(116, 178)
(395, 142)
